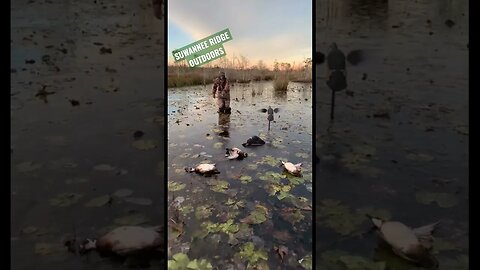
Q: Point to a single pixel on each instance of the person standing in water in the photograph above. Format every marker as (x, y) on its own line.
(221, 91)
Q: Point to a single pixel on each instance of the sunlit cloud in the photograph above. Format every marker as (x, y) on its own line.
(265, 30)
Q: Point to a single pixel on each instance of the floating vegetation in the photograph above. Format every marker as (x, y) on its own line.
(251, 255)
(233, 213)
(343, 220)
(443, 200)
(218, 185)
(174, 186)
(65, 199)
(181, 261)
(28, 166)
(245, 179)
(145, 144)
(257, 216)
(99, 201)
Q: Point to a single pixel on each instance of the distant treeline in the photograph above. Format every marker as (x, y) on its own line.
(240, 72)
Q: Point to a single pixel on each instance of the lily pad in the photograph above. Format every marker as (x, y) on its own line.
(444, 200)
(139, 201)
(184, 155)
(203, 212)
(199, 265)
(56, 140)
(270, 160)
(228, 227)
(218, 145)
(218, 185)
(463, 130)
(28, 166)
(461, 262)
(104, 167)
(45, 249)
(302, 155)
(252, 255)
(76, 180)
(441, 245)
(180, 262)
(252, 167)
(272, 177)
(245, 179)
(132, 219)
(186, 209)
(123, 193)
(306, 262)
(65, 199)
(420, 157)
(235, 204)
(34, 231)
(174, 186)
(332, 214)
(357, 262)
(257, 216)
(99, 201)
(145, 144)
(292, 215)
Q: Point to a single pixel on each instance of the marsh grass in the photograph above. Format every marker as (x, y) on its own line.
(281, 82)
(179, 76)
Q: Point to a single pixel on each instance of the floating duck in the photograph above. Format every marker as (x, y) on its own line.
(235, 153)
(253, 141)
(204, 169)
(413, 245)
(127, 241)
(293, 169)
(270, 113)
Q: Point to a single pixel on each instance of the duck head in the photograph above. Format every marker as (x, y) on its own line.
(377, 222)
(87, 245)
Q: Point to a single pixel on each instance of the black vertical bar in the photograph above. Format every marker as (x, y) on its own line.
(165, 127)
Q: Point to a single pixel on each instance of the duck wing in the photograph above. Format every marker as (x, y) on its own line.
(276, 110)
(263, 110)
(426, 230)
(233, 155)
(424, 234)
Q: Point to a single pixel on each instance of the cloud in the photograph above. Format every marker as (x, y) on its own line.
(264, 30)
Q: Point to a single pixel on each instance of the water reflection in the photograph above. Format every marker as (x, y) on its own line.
(280, 96)
(224, 124)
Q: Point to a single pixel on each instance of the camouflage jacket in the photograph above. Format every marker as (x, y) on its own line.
(221, 90)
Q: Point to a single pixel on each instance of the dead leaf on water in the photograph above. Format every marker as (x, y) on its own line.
(99, 201)
(28, 166)
(444, 200)
(123, 192)
(139, 201)
(65, 199)
(104, 168)
(145, 144)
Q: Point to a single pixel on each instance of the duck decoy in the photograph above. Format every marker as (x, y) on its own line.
(126, 241)
(235, 153)
(293, 169)
(270, 111)
(413, 245)
(204, 169)
(253, 141)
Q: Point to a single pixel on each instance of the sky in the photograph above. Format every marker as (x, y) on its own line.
(264, 30)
